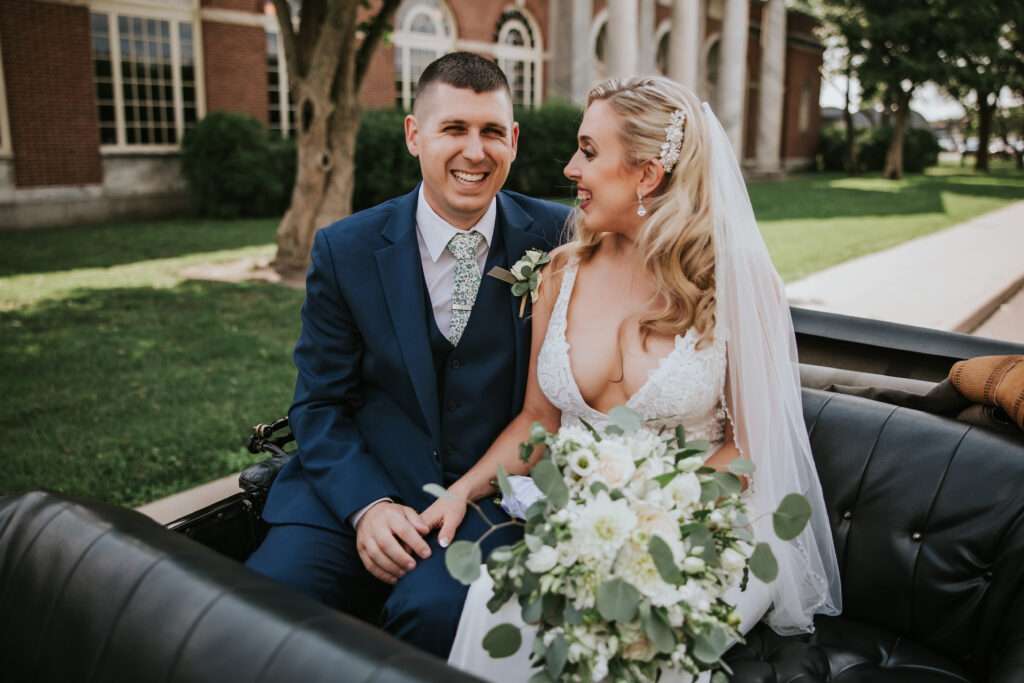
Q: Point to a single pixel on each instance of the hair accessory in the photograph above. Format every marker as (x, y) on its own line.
(640, 210)
(673, 140)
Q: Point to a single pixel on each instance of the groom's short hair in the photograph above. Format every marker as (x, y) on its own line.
(462, 70)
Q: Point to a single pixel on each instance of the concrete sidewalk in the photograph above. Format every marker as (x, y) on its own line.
(951, 280)
(967, 278)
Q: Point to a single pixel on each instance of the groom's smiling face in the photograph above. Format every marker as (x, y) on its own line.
(465, 142)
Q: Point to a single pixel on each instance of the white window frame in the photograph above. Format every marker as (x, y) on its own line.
(270, 25)
(5, 127)
(600, 71)
(532, 56)
(179, 11)
(665, 27)
(405, 41)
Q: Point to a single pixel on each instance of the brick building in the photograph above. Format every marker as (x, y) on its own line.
(95, 95)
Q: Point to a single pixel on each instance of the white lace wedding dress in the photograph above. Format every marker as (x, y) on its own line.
(688, 384)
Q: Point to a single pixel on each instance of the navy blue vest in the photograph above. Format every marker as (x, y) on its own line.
(475, 380)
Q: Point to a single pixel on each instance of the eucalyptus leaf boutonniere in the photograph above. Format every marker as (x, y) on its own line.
(525, 276)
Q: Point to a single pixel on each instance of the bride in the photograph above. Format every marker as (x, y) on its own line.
(664, 300)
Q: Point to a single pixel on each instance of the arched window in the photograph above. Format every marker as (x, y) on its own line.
(600, 42)
(424, 30)
(663, 41)
(518, 52)
(712, 63)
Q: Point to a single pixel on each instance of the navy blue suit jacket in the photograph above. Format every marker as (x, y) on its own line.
(365, 414)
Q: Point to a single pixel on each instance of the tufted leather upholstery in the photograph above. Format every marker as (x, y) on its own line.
(93, 592)
(928, 520)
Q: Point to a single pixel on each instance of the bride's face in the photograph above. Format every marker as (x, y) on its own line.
(606, 183)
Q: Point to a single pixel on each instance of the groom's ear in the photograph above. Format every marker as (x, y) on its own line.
(412, 135)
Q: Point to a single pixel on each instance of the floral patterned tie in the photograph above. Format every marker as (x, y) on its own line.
(467, 281)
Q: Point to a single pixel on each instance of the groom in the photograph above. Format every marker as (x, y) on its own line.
(409, 365)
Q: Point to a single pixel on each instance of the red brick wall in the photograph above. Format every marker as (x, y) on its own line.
(378, 91)
(235, 68)
(51, 106)
(238, 5)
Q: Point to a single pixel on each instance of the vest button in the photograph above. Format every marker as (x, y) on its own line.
(847, 515)
(456, 364)
(452, 405)
(449, 449)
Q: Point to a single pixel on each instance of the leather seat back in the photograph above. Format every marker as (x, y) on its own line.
(928, 519)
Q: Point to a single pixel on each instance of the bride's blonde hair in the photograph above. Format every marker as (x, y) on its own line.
(676, 241)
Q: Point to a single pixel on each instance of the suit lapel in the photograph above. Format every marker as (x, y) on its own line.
(401, 277)
(515, 223)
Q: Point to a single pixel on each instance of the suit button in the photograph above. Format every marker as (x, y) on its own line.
(452, 405)
(449, 449)
(847, 515)
(916, 535)
(456, 364)
(437, 458)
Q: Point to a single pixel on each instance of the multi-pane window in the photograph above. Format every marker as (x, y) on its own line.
(518, 53)
(5, 134)
(282, 110)
(423, 32)
(145, 76)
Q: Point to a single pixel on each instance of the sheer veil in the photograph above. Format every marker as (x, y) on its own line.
(763, 393)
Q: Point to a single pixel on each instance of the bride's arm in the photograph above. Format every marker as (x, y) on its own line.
(729, 450)
(446, 514)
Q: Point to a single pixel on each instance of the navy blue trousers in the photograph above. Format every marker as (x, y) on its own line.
(423, 608)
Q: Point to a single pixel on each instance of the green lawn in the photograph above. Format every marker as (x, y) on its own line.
(125, 381)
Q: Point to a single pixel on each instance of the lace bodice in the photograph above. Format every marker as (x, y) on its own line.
(686, 388)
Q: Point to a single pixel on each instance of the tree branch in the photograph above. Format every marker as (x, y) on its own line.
(288, 44)
(334, 45)
(377, 26)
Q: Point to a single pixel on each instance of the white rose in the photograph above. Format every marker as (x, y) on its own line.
(683, 490)
(615, 463)
(635, 643)
(542, 560)
(517, 269)
(567, 554)
(535, 293)
(691, 464)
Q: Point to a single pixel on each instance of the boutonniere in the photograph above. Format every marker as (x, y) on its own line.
(525, 276)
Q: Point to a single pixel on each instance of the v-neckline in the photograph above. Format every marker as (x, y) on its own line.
(570, 282)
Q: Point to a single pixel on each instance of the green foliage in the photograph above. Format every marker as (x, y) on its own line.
(763, 564)
(503, 640)
(617, 600)
(463, 558)
(920, 149)
(792, 515)
(385, 169)
(235, 168)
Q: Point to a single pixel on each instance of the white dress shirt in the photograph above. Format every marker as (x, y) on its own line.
(433, 234)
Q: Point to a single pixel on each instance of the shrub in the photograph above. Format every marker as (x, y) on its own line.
(234, 167)
(920, 148)
(384, 167)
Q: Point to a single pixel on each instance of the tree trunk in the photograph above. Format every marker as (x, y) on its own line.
(985, 111)
(851, 133)
(894, 157)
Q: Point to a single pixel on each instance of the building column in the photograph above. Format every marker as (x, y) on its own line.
(732, 76)
(773, 78)
(622, 43)
(684, 45)
(582, 50)
(648, 55)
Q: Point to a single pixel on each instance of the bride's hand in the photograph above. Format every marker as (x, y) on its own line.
(445, 514)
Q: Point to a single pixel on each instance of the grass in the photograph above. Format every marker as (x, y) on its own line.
(125, 381)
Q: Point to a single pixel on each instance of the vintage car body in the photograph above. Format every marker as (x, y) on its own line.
(927, 514)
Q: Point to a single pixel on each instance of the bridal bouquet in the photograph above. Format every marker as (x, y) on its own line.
(627, 555)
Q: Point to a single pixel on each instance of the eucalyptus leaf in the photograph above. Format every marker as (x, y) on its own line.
(531, 609)
(710, 491)
(616, 494)
(741, 466)
(708, 647)
(538, 432)
(463, 560)
(719, 677)
(617, 600)
(541, 677)
(438, 491)
(526, 271)
(743, 534)
(503, 641)
(533, 543)
(503, 482)
(728, 482)
(590, 428)
(614, 430)
(700, 445)
(549, 481)
(791, 516)
(664, 479)
(658, 630)
(536, 511)
(597, 487)
(664, 561)
(525, 451)
(680, 435)
(571, 615)
(556, 656)
(701, 537)
(626, 418)
(520, 288)
(763, 564)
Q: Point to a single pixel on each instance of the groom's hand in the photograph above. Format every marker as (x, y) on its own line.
(384, 534)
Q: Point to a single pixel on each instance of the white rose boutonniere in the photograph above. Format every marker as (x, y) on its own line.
(525, 276)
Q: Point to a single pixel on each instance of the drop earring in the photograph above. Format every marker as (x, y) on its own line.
(640, 210)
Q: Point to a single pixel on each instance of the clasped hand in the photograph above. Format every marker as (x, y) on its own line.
(388, 535)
